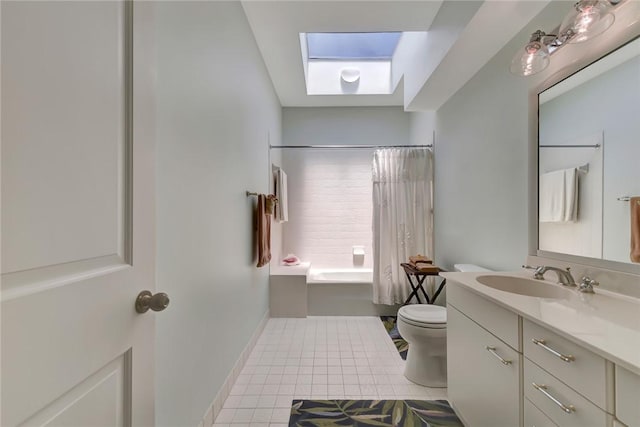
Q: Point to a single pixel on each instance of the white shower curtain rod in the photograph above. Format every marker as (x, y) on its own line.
(351, 146)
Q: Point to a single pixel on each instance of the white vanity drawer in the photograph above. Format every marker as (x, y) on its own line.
(534, 417)
(551, 393)
(483, 374)
(501, 322)
(627, 397)
(577, 367)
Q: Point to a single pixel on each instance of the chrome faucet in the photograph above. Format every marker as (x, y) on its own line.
(564, 276)
(586, 285)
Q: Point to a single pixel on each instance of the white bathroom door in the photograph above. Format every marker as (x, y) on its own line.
(77, 213)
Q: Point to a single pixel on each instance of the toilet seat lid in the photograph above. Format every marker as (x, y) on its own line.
(427, 314)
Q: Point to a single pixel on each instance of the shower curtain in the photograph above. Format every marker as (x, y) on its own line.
(402, 217)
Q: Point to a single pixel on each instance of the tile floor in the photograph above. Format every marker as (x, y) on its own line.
(317, 358)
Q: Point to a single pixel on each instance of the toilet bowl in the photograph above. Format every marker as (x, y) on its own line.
(424, 327)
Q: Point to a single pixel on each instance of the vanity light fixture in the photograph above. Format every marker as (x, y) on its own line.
(587, 19)
(534, 57)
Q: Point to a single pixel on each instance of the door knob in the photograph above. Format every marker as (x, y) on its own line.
(156, 302)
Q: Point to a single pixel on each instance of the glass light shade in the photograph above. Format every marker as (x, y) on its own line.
(530, 60)
(586, 20)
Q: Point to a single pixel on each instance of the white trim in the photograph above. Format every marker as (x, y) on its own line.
(27, 282)
(216, 406)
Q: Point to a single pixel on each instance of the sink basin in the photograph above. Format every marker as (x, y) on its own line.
(524, 286)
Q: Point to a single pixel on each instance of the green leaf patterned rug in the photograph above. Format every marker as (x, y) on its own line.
(361, 413)
(391, 325)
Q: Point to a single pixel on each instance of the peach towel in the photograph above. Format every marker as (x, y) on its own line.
(419, 259)
(264, 231)
(635, 229)
(427, 268)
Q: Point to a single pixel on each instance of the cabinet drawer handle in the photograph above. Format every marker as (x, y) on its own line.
(492, 350)
(543, 344)
(543, 389)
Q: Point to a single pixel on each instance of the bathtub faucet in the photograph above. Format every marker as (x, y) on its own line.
(564, 276)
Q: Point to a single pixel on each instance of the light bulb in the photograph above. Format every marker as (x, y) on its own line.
(586, 20)
(531, 60)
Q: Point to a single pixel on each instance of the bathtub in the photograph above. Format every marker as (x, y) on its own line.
(340, 275)
(343, 292)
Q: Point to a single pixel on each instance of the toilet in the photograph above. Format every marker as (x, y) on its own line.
(424, 327)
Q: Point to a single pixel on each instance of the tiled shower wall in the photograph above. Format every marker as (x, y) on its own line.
(329, 206)
(330, 190)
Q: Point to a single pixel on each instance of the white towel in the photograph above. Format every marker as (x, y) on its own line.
(571, 194)
(559, 196)
(282, 208)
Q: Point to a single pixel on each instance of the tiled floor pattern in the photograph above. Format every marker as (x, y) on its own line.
(317, 358)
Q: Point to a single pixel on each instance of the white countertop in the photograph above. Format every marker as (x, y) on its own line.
(290, 270)
(606, 323)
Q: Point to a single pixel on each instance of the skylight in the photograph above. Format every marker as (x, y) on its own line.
(352, 46)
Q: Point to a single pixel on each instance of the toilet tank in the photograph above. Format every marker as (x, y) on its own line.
(467, 268)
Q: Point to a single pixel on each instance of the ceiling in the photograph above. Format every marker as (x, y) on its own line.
(439, 65)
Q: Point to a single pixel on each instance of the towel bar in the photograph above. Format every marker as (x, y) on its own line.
(251, 193)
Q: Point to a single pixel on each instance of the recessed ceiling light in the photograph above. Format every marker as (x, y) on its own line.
(350, 75)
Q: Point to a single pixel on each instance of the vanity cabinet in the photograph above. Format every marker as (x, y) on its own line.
(501, 322)
(569, 384)
(535, 417)
(559, 402)
(581, 369)
(505, 370)
(483, 370)
(627, 397)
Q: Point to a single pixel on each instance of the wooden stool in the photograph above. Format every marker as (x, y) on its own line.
(420, 276)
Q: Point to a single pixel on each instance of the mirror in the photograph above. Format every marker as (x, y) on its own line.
(589, 159)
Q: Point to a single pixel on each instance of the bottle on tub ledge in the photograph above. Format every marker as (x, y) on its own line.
(358, 255)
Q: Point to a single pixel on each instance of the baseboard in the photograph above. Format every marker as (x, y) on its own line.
(214, 409)
(453, 406)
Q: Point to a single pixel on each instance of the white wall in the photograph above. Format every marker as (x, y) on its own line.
(324, 77)
(430, 46)
(330, 190)
(216, 106)
(481, 174)
(481, 171)
(485, 138)
(421, 128)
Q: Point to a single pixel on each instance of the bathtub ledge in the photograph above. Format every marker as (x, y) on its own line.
(292, 270)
